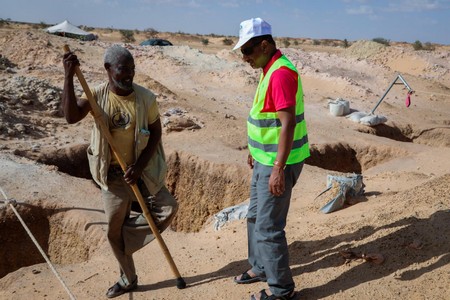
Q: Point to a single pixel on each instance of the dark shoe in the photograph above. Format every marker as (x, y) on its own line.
(117, 290)
(246, 278)
(290, 296)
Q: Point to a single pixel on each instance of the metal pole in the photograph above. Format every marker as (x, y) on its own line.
(405, 83)
(387, 91)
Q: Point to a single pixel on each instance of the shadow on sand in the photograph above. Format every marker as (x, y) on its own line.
(312, 256)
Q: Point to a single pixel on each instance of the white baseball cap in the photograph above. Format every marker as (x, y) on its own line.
(252, 28)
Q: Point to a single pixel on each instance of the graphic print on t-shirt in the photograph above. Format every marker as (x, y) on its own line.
(120, 119)
(122, 123)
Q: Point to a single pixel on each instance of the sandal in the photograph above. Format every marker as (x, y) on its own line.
(290, 296)
(247, 278)
(117, 290)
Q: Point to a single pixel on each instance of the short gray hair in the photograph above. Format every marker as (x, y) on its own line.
(114, 53)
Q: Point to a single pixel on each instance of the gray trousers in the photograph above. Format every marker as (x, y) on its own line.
(128, 234)
(266, 219)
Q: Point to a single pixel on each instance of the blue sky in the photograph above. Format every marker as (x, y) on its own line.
(401, 20)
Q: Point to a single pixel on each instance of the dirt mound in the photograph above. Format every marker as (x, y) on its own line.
(32, 49)
(21, 99)
(436, 137)
(364, 49)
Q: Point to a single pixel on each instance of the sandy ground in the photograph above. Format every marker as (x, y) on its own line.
(205, 93)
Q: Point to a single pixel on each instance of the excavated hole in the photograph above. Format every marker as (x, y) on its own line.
(391, 132)
(435, 137)
(348, 158)
(57, 237)
(70, 160)
(203, 188)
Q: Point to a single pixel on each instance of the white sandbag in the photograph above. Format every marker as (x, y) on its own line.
(346, 104)
(336, 109)
(356, 116)
(339, 107)
(372, 120)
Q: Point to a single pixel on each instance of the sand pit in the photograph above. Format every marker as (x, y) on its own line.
(204, 95)
(57, 235)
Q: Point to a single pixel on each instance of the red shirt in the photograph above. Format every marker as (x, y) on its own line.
(282, 88)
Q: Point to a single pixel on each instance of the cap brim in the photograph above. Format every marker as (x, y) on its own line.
(241, 42)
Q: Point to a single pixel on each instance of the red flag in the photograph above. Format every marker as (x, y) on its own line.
(408, 100)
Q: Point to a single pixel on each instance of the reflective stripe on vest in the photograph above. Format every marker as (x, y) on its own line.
(264, 127)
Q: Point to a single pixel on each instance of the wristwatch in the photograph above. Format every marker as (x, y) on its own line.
(279, 164)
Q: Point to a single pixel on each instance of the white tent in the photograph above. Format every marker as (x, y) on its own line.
(69, 30)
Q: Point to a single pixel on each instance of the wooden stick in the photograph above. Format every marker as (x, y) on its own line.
(97, 113)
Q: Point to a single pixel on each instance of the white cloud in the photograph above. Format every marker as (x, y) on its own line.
(361, 10)
(416, 5)
(191, 3)
(232, 4)
(355, 1)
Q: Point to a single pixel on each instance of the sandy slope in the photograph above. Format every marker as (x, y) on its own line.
(404, 214)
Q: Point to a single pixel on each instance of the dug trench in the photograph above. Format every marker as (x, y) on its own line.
(65, 239)
(201, 187)
(438, 136)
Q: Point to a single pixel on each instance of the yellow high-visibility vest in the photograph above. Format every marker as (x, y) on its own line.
(264, 127)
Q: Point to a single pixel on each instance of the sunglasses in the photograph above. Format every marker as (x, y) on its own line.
(249, 50)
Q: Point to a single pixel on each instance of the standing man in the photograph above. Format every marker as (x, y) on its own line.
(278, 145)
(131, 113)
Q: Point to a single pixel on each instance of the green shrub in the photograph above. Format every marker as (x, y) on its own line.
(205, 42)
(227, 41)
(86, 28)
(42, 24)
(345, 43)
(286, 43)
(417, 45)
(328, 42)
(428, 46)
(381, 40)
(150, 32)
(3, 22)
(127, 36)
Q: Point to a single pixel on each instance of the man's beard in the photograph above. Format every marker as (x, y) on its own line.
(125, 86)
